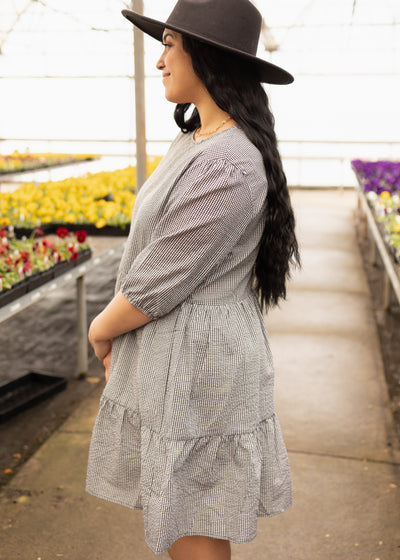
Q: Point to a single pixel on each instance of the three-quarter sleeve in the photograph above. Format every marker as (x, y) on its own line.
(207, 212)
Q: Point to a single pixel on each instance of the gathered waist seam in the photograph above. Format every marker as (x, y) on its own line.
(206, 299)
(112, 402)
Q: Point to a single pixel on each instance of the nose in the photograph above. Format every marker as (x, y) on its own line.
(160, 63)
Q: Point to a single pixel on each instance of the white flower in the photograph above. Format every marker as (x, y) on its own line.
(397, 219)
(396, 198)
(379, 209)
(371, 195)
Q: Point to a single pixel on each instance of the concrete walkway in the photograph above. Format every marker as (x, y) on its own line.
(334, 411)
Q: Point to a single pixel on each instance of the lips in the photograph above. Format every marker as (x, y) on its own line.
(165, 75)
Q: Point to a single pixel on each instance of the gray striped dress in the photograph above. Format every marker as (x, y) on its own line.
(186, 429)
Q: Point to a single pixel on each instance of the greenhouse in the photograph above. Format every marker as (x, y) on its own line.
(88, 133)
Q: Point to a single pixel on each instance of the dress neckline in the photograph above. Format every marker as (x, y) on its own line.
(212, 136)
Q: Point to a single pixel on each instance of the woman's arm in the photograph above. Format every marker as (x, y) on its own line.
(119, 317)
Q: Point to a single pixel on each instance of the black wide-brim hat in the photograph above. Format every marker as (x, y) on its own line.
(231, 25)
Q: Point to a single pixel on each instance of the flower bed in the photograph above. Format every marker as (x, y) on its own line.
(93, 202)
(17, 162)
(380, 181)
(28, 263)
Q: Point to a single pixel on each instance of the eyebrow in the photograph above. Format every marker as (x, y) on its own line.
(168, 34)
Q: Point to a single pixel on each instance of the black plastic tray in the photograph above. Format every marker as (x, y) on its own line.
(31, 389)
(46, 166)
(91, 229)
(21, 232)
(37, 280)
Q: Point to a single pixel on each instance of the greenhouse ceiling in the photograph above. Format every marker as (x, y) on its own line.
(76, 55)
(45, 26)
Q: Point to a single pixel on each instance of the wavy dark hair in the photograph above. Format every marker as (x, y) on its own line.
(234, 85)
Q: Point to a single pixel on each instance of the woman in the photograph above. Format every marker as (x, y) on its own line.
(186, 429)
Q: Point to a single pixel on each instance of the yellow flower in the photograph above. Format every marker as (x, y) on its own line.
(101, 198)
(385, 195)
(396, 228)
(31, 207)
(101, 223)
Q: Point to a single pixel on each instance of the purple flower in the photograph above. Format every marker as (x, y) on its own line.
(378, 176)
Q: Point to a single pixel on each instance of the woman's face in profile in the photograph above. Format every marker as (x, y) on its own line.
(181, 83)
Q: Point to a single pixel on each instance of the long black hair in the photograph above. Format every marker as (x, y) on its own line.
(235, 87)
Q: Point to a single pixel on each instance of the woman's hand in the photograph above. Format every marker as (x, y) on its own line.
(101, 346)
(119, 317)
(107, 364)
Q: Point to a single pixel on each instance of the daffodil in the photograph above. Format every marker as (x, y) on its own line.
(90, 199)
(101, 223)
(22, 161)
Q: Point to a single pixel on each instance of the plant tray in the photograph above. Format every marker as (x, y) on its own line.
(31, 389)
(27, 232)
(37, 280)
(91, 229)
(41, 166)
(83, 256)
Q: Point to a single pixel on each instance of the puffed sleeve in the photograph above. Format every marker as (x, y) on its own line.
(207, 213)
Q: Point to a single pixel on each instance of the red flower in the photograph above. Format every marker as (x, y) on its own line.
(81, 236)
(48, 244)
(74, 256)
(24, 256)
(27, 267)
(62, 232)
(38, 232)
(57, 257)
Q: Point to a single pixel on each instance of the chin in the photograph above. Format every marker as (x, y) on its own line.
(175, 98)
(170, 98)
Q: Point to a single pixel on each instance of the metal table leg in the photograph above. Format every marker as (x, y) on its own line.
(83, 364)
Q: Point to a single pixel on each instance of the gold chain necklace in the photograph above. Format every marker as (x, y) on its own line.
(202, 134)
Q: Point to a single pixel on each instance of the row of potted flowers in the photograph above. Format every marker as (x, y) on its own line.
(380, 181)
(17, 162)
(100, 200)
(23, 260)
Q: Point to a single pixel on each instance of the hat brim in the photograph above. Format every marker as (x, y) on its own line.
(267, 72)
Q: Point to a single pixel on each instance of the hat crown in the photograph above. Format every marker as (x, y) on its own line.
(234, 23)
(231, 25)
